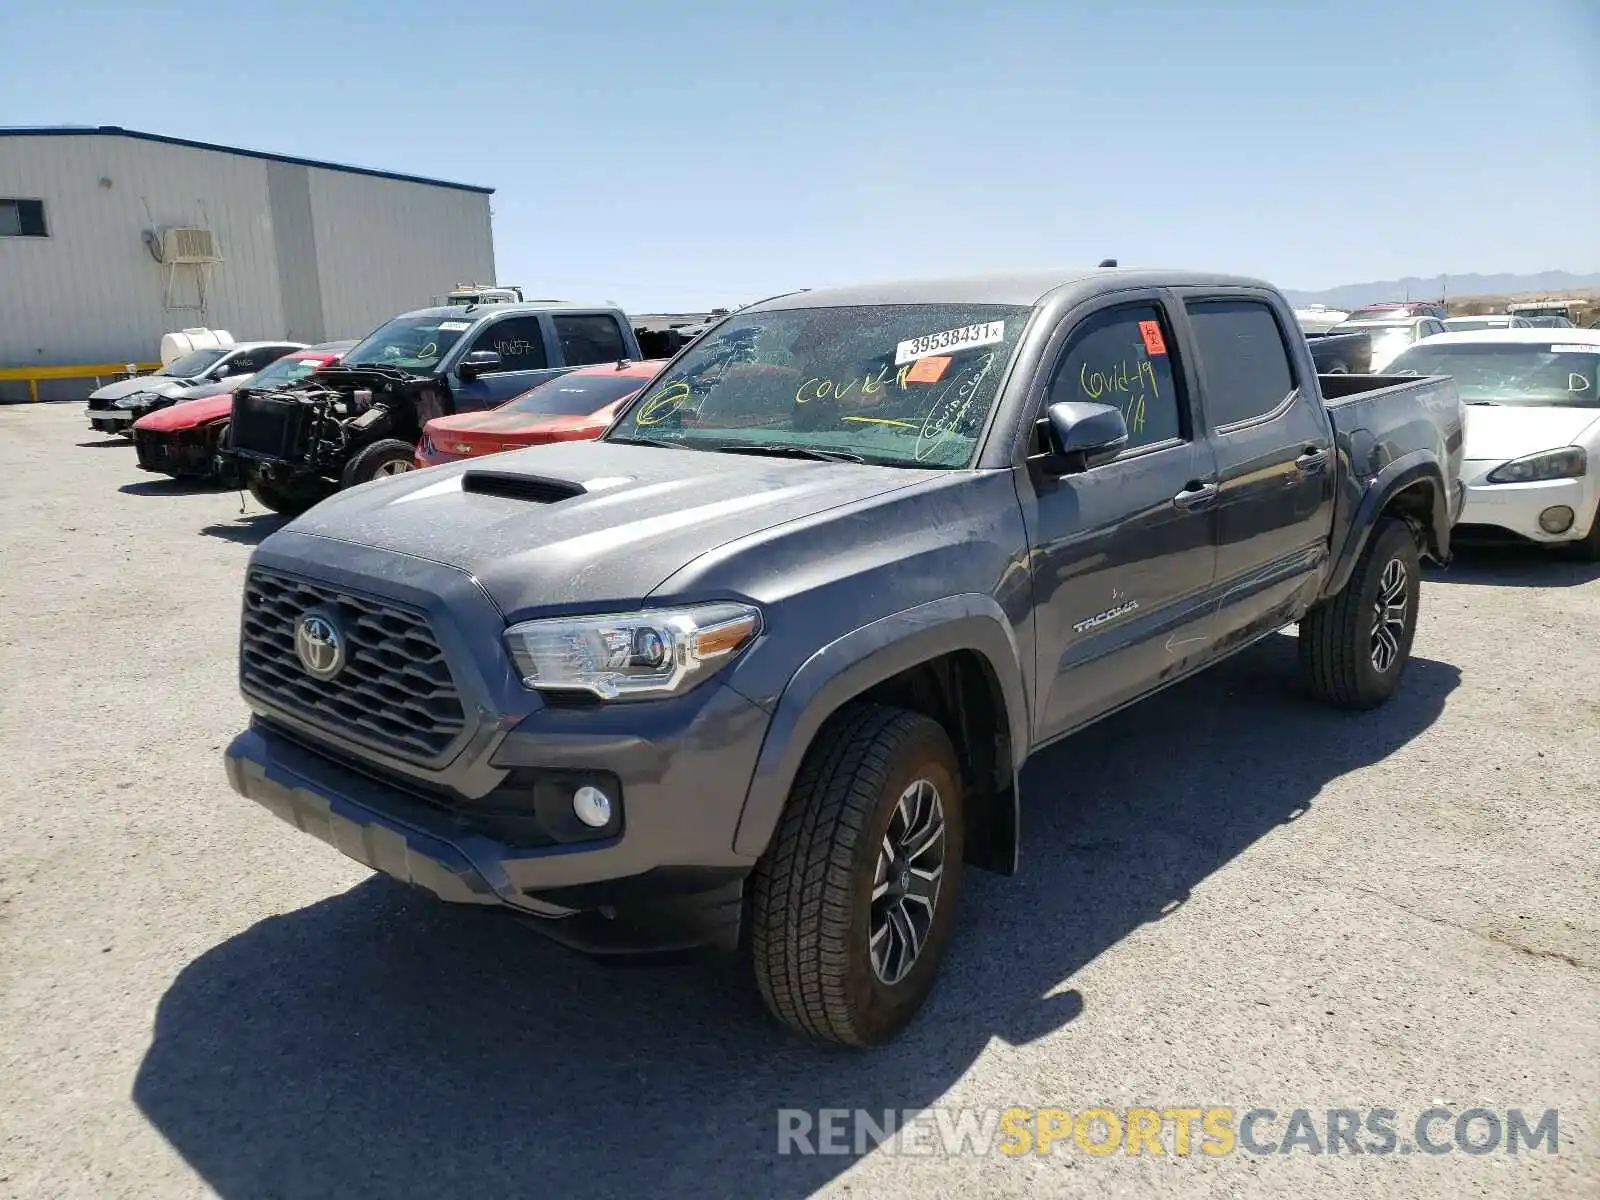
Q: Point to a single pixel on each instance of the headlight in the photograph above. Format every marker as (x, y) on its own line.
(132, 401)
(625, 656)
(1570, 462)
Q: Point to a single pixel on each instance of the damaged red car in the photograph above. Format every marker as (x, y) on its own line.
(182, 441)
(575, 406)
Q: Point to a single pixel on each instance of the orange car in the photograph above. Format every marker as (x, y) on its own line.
(572, 407)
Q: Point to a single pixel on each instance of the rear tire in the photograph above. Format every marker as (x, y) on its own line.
(1354, 647)
(388, 456)
(289, 498)
(855, 899)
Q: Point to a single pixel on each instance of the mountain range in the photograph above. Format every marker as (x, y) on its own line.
(1350, 295)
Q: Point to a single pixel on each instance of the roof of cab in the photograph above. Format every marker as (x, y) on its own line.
(474, 311)
(1022, 288)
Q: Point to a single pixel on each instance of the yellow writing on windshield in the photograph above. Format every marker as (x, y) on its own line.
(664, 404)
(820, 388)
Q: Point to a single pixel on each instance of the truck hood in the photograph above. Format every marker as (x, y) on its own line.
(160, 385)
(187, 414)
(1511, 431)
(645, 514)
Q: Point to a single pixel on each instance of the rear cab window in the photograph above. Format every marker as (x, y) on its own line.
(1242, 358)
(1120, 357)
(587, 339)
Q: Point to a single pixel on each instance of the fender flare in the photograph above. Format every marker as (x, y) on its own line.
(1417, 466)
(851, 665)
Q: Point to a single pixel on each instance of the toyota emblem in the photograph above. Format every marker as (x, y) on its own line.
(318, 644)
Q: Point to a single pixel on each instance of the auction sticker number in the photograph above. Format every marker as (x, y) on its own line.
(985, 333)
(1576, 349)
(455, 326)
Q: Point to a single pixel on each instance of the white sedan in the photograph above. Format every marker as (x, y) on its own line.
(1532, 461)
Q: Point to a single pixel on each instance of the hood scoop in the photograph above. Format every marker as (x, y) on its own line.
(515, 486)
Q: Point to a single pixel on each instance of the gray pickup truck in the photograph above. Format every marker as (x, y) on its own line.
(759, 669)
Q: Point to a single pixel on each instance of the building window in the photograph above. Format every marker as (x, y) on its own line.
(22, 218)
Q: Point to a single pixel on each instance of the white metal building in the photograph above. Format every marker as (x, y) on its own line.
(110, 238)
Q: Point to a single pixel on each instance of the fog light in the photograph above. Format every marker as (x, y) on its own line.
(1556, 519)
(592, 807)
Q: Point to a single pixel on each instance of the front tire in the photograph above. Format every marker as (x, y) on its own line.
(289, 498)
(855, 900)
(388, 456)
(1354, 647)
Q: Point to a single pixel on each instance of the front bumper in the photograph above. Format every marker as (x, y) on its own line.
(1515, 507)
(110, 420)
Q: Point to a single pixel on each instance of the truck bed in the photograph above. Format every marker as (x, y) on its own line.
(1379, 420)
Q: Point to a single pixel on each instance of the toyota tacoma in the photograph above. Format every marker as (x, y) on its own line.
(759, 668)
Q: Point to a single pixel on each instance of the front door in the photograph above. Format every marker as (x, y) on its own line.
(1123, 553)
(524, 362)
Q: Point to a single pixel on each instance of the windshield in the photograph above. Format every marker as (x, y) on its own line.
(575, 395)
(1378, 329)
(192, 363)
(1511, 372)
(410, 343)
(284, 370)
(902, 385)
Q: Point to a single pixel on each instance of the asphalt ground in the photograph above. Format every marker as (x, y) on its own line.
(1230, 898)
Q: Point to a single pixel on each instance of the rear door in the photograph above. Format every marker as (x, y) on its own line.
(520, 341)
(1273, 446)
(588, 339)
(1124, 553)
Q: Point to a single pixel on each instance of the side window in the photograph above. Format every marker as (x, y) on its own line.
(1119, 357)
(1245, 363)
(590, 339)
(519, 341)
(22, 218)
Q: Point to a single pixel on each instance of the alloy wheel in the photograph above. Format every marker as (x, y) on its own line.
(905, 885)
(1389, 615)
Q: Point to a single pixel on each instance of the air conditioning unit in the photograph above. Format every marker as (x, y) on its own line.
(188, 245)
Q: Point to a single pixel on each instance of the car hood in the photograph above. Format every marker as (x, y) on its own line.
(647, 512)
(1513, 430)
(163, 385)
(188, 414)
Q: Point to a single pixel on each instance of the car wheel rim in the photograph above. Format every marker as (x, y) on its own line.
(1389, 616)
(905, 884)
(391, 468)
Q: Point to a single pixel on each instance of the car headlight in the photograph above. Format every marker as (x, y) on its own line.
(132, 401)
(662, 652)
(1570, 462)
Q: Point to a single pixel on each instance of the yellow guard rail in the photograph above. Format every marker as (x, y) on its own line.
(33, 375)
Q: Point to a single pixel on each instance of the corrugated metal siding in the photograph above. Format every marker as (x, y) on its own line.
(295, 238)
(384, 246)
(91, 291)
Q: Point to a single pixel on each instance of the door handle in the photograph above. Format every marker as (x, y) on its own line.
(1195, 495)
(1312, 460)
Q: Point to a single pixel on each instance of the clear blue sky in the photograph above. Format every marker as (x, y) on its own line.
(702, 152)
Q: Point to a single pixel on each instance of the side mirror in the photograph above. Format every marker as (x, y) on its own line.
(477, 363)
(1080, 436)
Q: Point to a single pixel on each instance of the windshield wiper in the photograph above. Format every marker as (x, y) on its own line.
(647, 441)
(793, 452)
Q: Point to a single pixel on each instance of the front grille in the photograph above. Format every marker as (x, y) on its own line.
(152, 448)
(265, 427)
(395, 692)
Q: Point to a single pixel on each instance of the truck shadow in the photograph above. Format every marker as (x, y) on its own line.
(377, 1043)
(249, 530)
(1514, 566)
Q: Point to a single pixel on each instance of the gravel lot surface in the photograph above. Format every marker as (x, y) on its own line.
(1230, 897)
